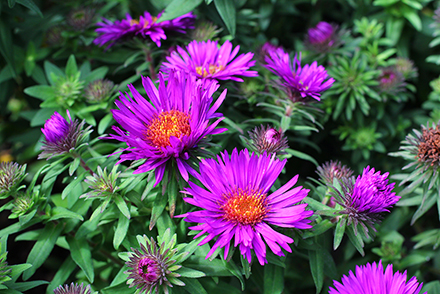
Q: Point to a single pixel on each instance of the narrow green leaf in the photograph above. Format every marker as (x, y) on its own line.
(316, 261)
(31, 5)
(24, 286)
(52, 71)
(11, 3)
(226, 9)
(104, 123)
(6, 46)
(121, 230)
(122, 288)
(81, 254)
(123, 208)
(61, 212)
(190, 273)
(71, 67)
(339, 233)
(72, 185)
(159, 205)
(193, 286)
(356, 240)
(179, 7)
(273, 279)
(42, 248)
(98, 73)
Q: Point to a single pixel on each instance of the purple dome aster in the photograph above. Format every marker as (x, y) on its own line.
(321, 34)
(171, 126)
(73, 289)
(206, 60)
(237, 203)
(367, 198)
(61, 136)
(309, 80)
(146, 25)
(371, 279)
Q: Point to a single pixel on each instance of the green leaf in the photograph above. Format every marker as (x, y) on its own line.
(52, 71)
(42, 92)
(121, 230)
(431, 287)
(190, 273)
(273, 279)
(71, 67)
(31, 5)
(123, 208)
(42, 248)
(158, 206)
(11, 3)
(316, 260)
(81, 254)
(98, 73)
(61, 212)
(24, 286)
(74, 165)
(301, 155)
(339, 233)
(6, 47)
(356, 240)
(104, 123)
(177, 8)
(122, 288)
(226, 9)
(413, 18)
(193, 286)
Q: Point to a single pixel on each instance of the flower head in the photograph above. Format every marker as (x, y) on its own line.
(309, 80)
(237, 203)
(172, 126)
(331, 170)
(267, 139)
(265, 50)
(72, 289)
(81, 18)
(391, 80)
(406, 67)
(367, 198)
(5, 270)
(323, 37)
(204, 31)
(206, 60)
(146, 26)
(152, 267)
(372, 279)
(102, 184)
(11, 175)
(99, 90)
(61, 136)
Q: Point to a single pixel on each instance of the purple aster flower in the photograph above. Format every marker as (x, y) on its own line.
(146, 26)
(391, 80)
(170, 127)
(367, 198)
(333, 170)
(206, 60)
(61, 136)
(237, 203)
(309, 80)
(372, 279)
(321, 34)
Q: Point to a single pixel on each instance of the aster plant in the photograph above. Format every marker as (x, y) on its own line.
(324, 37)
(267, 139)
(299, 81)
(63, 137)
(73, 288)
(364, 200)
(11, 175)
(372, 278)
(236, 203)
(421, 150)
(157, 266)
(170, 127)
(146, 26)
(206, 60)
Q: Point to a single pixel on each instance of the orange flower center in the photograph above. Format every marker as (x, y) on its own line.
(166, 124)
(212, 70)
(146, 23)
(245, 207)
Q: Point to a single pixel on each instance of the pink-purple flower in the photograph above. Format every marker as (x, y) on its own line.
(237, 204)
(206, 60)
(61, 136)
(367, 198)
(301, 81)
(372, 279)
(171, 126)
(146, 26)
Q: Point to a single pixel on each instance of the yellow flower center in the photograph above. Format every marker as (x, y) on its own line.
(245, 207)
(212, 69)
(166, 124)
(146, 23)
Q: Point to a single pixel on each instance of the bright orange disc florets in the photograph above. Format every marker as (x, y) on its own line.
(245, 207)
(212, 70)
(166, 124)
